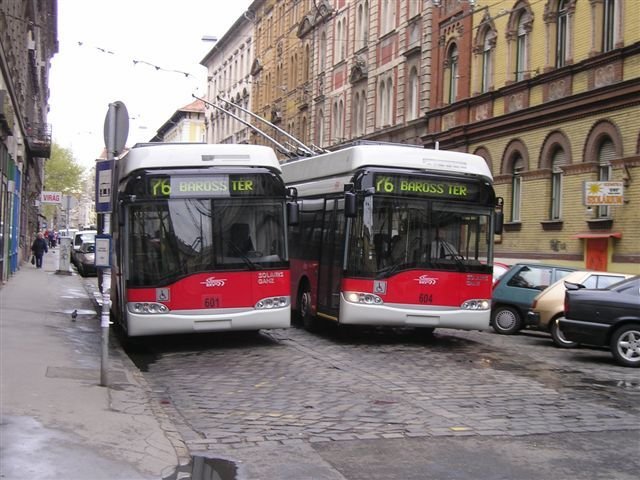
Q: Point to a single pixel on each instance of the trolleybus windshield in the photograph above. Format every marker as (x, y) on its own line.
(179, 225)
(420, 222)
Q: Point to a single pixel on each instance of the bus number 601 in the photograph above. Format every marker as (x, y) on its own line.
(211, 302)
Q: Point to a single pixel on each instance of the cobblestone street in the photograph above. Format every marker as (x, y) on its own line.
(290, 387)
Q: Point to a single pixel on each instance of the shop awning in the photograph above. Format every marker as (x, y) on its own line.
(603, 234)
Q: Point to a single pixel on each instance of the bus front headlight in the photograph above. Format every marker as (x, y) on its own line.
(476, 304)
(363, 297)
(150, 308)
(272, 302)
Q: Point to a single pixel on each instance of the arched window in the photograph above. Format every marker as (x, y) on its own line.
(608, 25)
(382, 103)
(341, 41)
(521, 46)
(362, 25)
(606, 153)
(307, 62)
(362, 117)
(562, 34)
(413, 102)
(452, 72)
(516, 188)
(304, 130)
(319, 128)
(486, 79)
(389, 102)
(323, 51)
(558, 159)
(355, 98)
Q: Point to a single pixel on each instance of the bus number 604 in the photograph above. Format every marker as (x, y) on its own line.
(425, 298)
(211, 302)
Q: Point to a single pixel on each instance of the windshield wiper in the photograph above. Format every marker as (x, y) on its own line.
(386, 272)
(451, 252)
(245, 259)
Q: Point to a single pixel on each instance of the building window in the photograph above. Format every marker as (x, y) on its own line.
(413, 102)
(487, 61)
(516, 188)
(606, 153)
(319, 130)
(387, 16)
(362, 25)
(562, 34)
(608, 25)
(338, 116)
(521, 47)
(306, 66)
(323, 51)
(559, 159)
(452, 73)
(389, 102)
(359, 112)
(341, 42)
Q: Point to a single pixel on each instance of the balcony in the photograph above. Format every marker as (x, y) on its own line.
(39, 139)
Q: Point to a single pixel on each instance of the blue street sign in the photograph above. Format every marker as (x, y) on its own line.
(104, 175)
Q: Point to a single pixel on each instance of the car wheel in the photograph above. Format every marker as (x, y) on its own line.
(506, 320)
(309, 322)
(558, 337)
(625, 345)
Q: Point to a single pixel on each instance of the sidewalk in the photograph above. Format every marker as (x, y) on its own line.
(56, 420)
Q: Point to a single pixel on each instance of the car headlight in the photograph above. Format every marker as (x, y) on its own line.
(476, 304)
(363, 297)
(147, 307)
(272, 302)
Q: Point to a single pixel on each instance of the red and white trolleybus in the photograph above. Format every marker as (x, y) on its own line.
(393, 236)
(199, 235)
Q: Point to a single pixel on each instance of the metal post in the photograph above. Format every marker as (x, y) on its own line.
(106, 272)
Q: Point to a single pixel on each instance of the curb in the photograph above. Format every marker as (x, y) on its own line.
(137, 379)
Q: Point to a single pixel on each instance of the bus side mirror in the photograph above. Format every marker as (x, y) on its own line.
(293, 213)
(499, 223)
(350, 205)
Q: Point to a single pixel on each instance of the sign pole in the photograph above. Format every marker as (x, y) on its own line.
(116, 130)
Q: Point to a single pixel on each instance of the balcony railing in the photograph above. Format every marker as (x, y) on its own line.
(39, 139)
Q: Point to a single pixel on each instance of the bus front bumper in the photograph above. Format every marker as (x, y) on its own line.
(235, 319)
(400, 315)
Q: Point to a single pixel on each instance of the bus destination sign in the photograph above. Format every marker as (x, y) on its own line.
(181, 186)
(427, 187)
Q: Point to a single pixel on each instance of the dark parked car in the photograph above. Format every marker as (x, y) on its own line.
(608, 318)
(514, 292)
(86, 259)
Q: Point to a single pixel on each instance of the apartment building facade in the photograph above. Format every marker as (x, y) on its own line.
(228, 65)
(28, 41)
(546, 91)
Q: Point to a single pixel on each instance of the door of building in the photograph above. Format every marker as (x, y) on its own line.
(597, 253)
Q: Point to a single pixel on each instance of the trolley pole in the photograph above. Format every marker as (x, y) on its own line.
(116, 130)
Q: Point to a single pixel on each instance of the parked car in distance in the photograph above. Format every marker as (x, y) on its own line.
(86, 259)
(548, 306)
(78, 238)
(606, 318)
(514, 292)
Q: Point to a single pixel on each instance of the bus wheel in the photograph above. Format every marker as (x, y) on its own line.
(506, 320)
(304, 305)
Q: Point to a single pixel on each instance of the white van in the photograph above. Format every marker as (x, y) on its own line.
(78, 238)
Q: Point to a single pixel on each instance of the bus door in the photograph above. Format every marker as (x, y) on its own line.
(331, 258)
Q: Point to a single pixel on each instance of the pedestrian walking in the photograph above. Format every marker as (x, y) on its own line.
(39, 248)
